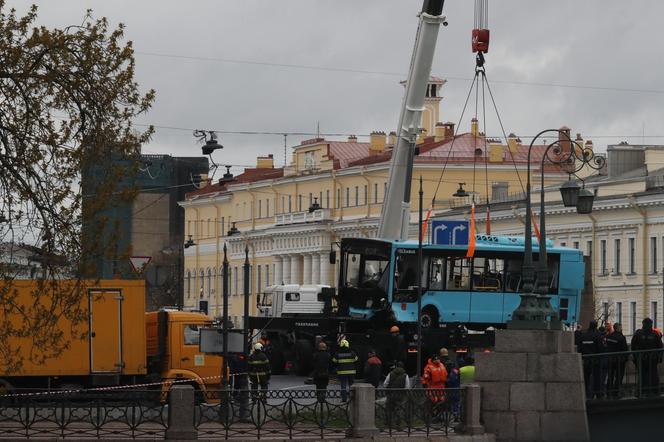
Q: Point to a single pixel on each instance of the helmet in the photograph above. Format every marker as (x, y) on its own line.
(344, 343)
(394, 329)
(258, 346)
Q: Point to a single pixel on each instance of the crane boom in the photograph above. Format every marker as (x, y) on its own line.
(395, 215)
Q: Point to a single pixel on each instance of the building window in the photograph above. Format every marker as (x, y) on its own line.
(616, 257)
(327, 198)
(338, 203)
(311, 199)
(236, 281)
(619, 312)
(201, 276)
(632, 314)
(602, 257)
(375, 196)
(260, 208)
(267, 207)
(299, 203)
(347, 202)
(384, 190)
(605, 311)
(589, 249)
(653, 313)
(357, 195)
(258, 279)
(290, 203)
(575, 244)
(267, 275)
(563, 244)
(653, 254)
(366, 195)
(188, 285)
(283, 204)
(632, 255)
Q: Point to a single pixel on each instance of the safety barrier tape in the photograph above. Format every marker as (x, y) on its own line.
(119, 387)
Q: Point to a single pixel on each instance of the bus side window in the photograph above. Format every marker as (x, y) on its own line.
(513, 275)
(458, 277)
(436, 274)
(485, 275)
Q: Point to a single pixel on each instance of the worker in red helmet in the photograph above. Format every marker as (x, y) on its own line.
(398, 345)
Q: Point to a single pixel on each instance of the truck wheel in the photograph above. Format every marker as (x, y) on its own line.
(430, 317)
(304, 355)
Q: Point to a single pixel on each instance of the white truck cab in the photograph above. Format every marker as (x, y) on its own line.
(286, 300)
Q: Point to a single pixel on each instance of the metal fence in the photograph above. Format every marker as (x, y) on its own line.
(108, 414)
(623, 375)
(274, 414)
(419, 411)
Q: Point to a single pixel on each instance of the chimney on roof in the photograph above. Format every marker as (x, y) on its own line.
(392, 138)
(496, 151)
(564, 138)
(513, 143)
(449, 130)
(422, 136)
(352, 139)
(440, 132)
(265, 162)
(376, 142)
(474, 127)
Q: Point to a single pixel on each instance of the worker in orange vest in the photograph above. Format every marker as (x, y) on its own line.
(434, 378)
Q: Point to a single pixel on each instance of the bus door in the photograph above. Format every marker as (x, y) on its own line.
(450, 286)
(486, 304)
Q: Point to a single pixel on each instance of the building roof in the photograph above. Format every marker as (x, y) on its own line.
(249, 175)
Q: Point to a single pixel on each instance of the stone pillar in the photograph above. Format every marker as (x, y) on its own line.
(306, 271)
(363, 410)
(325, 269)
(472, 406)
(181, 413)
(295, 269)
(286, 269)
(278, 270)
(315, 269)
(532, 387)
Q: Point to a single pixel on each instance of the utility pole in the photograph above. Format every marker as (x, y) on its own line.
(419, 285)
(224, 373)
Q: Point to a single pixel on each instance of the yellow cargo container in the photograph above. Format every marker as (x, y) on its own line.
(114, 342)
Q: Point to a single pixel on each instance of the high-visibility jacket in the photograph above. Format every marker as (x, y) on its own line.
(345, 360)
(259, 367)
(434, 378)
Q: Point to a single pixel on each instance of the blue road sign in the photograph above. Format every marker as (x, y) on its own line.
(453, 233)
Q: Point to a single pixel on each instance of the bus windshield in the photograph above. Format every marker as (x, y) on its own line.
(365, 272)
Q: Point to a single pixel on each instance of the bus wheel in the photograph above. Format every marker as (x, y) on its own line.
(430, 317)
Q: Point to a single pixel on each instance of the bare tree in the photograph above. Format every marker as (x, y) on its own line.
(67, 101)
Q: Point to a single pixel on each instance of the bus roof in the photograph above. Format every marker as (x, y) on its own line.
(486, 242)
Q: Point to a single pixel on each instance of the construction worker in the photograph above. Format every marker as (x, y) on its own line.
(646, 362)
(344, 360)
(398, 345)
(434, 378)
(259, 370)
(396, 382)
(321, 373)
(373, 369)
(615, 343)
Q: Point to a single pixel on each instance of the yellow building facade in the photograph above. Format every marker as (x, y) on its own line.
(288, 243)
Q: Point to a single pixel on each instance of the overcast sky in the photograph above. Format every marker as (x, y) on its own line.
(609, 52)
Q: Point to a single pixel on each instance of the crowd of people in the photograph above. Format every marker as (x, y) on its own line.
(606, 355)
(441, 377)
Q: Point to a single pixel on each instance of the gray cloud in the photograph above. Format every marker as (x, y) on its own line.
(590, 43)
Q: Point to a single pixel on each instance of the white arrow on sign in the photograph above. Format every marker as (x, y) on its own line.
(438, 228)
(461, 227)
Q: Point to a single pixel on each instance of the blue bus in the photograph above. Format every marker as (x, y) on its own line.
(379, 278)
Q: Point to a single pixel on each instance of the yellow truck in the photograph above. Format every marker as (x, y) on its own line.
(114, 342)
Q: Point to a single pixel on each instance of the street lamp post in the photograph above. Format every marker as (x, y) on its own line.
(535, 310)
(224, 373)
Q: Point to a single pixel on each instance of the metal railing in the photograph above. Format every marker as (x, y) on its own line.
(419, 411)
(273, 414)
(107, 414)
(623, 375)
